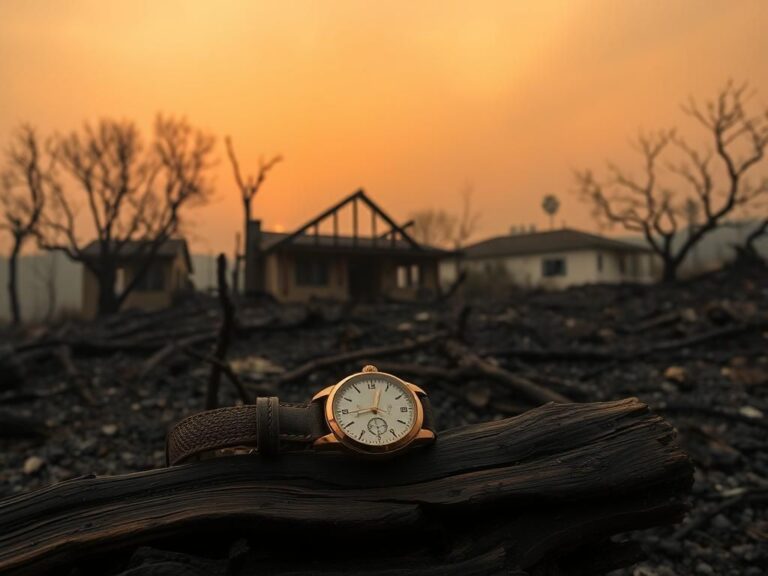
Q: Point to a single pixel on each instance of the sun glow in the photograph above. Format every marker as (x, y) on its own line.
(408, 100)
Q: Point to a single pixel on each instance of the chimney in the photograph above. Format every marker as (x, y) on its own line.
(253, 264)
(253, 237)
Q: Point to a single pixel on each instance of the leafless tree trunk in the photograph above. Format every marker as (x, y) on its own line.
(433, 227)
(748, 252)
(24, 183)
(440, 228)
(468, 219)
(134, 195)
(13, 293)
(248, 190)
(654, 209)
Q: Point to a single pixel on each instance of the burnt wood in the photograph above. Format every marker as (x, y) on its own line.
(540, 493)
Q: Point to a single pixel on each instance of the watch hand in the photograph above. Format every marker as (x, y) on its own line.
(376, 399)
(361, 410)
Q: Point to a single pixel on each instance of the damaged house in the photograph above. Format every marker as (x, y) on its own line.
(351, 251)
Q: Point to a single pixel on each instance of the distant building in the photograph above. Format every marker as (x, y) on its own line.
(318, 261)
(557, 259)
(168, 275)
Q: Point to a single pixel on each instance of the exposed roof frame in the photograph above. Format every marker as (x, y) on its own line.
(333, 211)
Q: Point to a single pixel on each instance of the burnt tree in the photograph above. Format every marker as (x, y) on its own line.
(134, 194)
(24, 180)
(440, 228)
(248, 188)
(541, 493)
(748, 251)
(715, 179)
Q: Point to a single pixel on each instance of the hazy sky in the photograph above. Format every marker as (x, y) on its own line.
(409, 100)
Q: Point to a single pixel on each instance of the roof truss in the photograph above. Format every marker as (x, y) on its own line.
(356, 199)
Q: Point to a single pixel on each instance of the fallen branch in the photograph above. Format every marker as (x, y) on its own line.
(225, 369)
(354, 355)
(64, 356)
(542, 491)
(624, 355)
(522, 387)
(679, 407)
(173, 347)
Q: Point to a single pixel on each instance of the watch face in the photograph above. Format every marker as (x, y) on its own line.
(374, 409)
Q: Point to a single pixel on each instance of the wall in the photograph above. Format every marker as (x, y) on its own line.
(34, 271)
(175, 279)
(428, 278)
(68, 279)
(280, 279)
(581, 268)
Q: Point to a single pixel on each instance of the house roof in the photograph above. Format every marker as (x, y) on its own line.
(270, 240)
(564, 240)
(134, 249)
(307, 236)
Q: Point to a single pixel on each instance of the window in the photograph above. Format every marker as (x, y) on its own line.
(415, 275)
(632, 266)
(153, 279)
(120, 280)
(402, 276)
(311, 272)
(599, 262)
(408, 276)
(553, 267)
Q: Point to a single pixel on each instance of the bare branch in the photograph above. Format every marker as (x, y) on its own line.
(135, 195)
(648, 207)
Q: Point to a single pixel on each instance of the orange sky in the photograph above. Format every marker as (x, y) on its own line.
(410, 100)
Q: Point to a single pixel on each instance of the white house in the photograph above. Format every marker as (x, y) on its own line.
(556, 259)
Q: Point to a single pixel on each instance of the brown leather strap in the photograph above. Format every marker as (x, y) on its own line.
(268, 426)
(429, 414)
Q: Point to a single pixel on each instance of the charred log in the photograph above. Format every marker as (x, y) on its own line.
(539, 493)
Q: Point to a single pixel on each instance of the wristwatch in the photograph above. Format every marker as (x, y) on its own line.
(369, 413)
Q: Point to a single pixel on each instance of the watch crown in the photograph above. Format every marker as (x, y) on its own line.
(370, 368)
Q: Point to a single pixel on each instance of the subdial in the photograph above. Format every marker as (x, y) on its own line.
(377, 426)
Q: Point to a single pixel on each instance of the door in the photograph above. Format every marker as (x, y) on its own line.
(363, 279)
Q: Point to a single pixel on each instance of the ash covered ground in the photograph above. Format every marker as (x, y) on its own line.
(98, 398)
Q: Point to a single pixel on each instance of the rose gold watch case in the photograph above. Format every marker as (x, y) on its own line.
(338, 438)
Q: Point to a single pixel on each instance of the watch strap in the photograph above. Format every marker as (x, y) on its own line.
(429, 413)
(268, 426)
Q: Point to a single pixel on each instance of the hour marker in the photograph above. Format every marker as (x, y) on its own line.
(387, 388)
(398, 397)
(348, 424)
(347, 399)
(361, 433)
(401, 422)
(356, 388)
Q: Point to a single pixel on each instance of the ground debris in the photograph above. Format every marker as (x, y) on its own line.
(591, 343)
